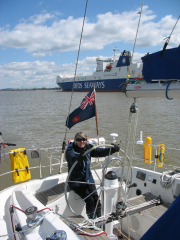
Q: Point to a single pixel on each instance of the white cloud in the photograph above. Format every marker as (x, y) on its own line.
(40, 3)
(46, 33)
(38, 19)
(17, 74)
(35, 74)
(63, 35)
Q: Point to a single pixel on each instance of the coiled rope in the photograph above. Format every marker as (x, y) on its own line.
(167, 181)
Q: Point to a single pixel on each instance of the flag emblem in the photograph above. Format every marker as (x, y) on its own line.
(85, 111)
(76, 119)
(87, 100)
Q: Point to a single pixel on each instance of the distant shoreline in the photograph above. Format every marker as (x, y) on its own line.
(28, 89)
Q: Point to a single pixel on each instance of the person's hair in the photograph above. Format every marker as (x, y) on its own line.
(79, 135)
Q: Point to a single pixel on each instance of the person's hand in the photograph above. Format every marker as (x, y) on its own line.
(116, 148)
(80, 157)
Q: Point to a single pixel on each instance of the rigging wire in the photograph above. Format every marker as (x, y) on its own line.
(173, 28)
(76, 68)
(64, 142)
(168, 38)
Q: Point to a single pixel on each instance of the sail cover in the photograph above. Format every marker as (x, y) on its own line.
(165, 66)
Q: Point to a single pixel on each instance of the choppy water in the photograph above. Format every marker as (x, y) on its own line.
(36, 119)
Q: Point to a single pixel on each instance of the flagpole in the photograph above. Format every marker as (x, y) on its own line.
(97, 128)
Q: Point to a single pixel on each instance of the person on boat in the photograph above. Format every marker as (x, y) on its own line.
(82, 172)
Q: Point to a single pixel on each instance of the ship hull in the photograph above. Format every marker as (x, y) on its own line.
(103, 85)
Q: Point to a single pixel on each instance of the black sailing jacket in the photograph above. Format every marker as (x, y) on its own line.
(82, 171)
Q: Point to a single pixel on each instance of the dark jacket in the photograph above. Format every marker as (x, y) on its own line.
(82, 171)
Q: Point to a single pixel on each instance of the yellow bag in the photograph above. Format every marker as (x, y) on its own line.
(19, 161)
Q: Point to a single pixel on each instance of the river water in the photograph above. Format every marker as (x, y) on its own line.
(36, 119)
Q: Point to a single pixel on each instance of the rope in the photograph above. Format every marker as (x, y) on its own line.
(89, 223)
(168, 183)
(125, 158)
(76, 69)
(121, 233)
(132, 156)
(167, 87)
(127, 149)
(27, 229)
(132, 148)
(129, 133)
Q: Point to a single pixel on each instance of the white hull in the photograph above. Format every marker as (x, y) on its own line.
(23, 196)
(154, 90)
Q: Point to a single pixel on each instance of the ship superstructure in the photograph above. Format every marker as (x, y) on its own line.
(109, 76)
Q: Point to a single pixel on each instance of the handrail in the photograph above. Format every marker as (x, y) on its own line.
(22, 169)
(64, 163)
(40, 165)
(50, 165)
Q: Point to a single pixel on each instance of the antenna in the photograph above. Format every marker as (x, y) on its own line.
(115, 49)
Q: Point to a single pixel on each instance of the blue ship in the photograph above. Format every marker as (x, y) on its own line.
(109, 76)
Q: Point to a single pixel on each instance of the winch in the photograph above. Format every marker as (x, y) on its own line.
(57, 235)
(33, 219)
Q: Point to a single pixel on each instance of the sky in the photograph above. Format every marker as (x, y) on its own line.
(40, 39)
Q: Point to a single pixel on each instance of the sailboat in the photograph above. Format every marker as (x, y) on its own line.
(137, 203)
(162, 76)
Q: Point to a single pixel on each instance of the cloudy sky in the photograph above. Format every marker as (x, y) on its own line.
(39, 39)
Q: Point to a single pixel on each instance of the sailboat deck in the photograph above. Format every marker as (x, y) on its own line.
(156, 212)
(54, 193)
(50, 195)
(79, 219)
